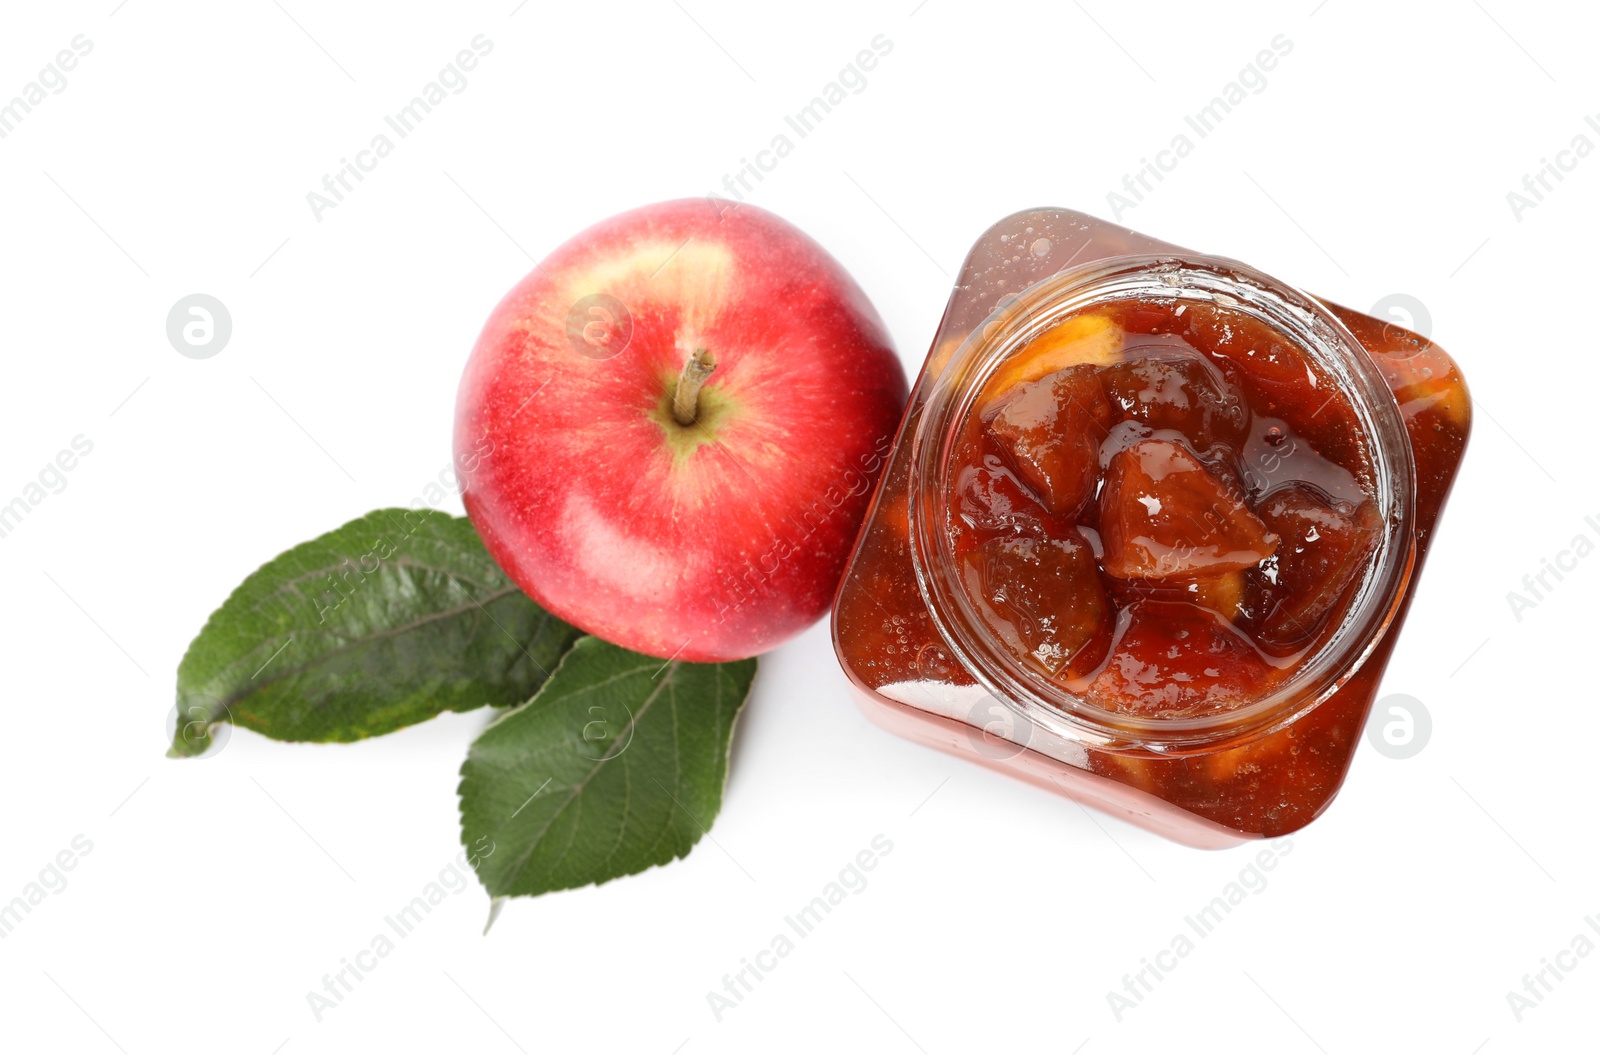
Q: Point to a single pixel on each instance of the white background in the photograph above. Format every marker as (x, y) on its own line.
(219, 892)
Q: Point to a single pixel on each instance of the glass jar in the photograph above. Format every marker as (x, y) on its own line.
(926, 663)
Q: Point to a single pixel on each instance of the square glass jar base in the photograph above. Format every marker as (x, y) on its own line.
(1137, 807)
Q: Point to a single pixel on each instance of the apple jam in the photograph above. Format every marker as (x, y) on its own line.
(1161, 507)
(1149, 529)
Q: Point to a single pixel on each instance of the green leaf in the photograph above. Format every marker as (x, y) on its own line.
(616, 765)
(387, 621)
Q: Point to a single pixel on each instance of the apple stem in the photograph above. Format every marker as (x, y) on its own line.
(686, 399)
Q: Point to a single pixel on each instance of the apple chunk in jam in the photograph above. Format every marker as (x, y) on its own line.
(1042, 597)
(1164, 515)
(1161, 507)
(1051, 429)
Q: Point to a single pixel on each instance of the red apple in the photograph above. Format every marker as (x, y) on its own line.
(668, 432)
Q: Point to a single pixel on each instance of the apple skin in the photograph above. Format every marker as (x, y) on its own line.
(710, 542)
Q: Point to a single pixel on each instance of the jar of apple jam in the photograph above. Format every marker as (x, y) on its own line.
(1149, 529)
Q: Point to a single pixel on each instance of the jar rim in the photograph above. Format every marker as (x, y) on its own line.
(1301, 320)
